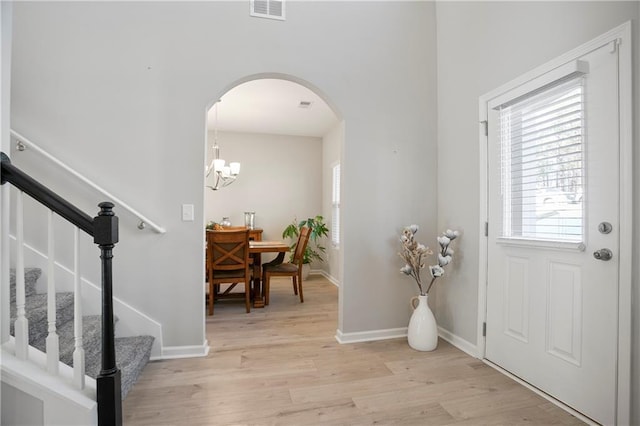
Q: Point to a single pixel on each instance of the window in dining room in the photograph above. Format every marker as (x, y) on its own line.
(335, 205)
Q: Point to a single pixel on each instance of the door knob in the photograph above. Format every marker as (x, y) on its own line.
(603, 254)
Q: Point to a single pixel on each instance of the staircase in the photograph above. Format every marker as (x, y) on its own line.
(132, 353)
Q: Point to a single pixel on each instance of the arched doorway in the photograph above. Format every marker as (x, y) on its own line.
(287, 138)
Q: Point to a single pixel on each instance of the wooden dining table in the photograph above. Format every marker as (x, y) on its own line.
(256, 248)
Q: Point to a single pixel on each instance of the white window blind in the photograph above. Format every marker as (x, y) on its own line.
(542, 145)
(335, 205)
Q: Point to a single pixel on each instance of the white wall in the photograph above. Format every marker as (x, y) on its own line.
(331, 145)
(482, 45)
(280, 179)
(14, 397)
(5, 85)
(119, 90)
(5, 102)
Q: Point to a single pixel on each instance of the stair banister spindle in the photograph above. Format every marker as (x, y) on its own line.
(4, 264)
(21, 324)
(78, 352)
(108, 383)
(53, 345)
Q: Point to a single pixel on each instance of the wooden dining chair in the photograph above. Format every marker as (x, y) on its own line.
(291, 269)
(228, 263)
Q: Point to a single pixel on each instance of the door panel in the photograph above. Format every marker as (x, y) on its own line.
(551, 306)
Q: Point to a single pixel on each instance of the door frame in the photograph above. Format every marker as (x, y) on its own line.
(621, 36)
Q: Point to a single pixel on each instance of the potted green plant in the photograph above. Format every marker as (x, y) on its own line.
(314, 249)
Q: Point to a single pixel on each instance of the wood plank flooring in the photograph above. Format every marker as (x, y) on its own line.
(281, 365)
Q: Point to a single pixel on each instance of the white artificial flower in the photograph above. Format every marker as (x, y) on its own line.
(451, 234)
(436, 271)
(444, 241)
(414, 255)
(407, 269)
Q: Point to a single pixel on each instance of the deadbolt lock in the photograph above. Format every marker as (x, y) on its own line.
(605, 227)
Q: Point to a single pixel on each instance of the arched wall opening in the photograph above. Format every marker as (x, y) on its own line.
(287, 151)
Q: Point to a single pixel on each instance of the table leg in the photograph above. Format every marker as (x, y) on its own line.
(258, 297)
(257, 284)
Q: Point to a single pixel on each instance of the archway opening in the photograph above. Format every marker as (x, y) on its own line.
(288, 139)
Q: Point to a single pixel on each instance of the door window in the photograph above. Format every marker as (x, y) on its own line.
(541, 140)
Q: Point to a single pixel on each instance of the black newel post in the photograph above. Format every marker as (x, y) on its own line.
(108, 382)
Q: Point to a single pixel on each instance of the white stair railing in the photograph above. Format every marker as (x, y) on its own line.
(78, 353)
(21, 325)
(143, 220)
(104, 230)
(53, 342)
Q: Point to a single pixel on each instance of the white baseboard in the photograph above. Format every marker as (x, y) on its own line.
(368, 336)
(325, 274)
(176, 352)
(459, 342)
(394, 333)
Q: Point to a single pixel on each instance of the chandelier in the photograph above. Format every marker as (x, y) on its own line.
(224, 175)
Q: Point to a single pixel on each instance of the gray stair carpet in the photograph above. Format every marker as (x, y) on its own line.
(132, 353)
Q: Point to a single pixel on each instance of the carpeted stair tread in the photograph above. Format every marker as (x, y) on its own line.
(31, 275)
(91, 337)
(132, 354)
(36, 311)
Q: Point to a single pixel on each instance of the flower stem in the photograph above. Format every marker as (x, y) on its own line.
(430, 284)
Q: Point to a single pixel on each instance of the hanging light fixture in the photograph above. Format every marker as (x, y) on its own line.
(224, 175)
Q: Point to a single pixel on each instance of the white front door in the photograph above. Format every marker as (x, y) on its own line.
(553, 210)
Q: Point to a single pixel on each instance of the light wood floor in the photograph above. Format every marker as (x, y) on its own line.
(281, 365)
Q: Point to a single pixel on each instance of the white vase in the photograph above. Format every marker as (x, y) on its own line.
(306, 269)
(423, 330)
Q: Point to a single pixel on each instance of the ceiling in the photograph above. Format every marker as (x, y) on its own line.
(272, 106)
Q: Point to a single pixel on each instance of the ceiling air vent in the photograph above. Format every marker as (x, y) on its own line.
(272, 9)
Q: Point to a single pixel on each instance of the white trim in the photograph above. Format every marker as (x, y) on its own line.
(540, 243)
(596, 43)
(325, 274)
(625, 271)
(537, 391)
(177, 352)
(483, 210)
(564, 71)
(460, 343)
(369, 336)
(622, 36)
(62, 402)
(396, 333)
(159, 229)
(5, 261)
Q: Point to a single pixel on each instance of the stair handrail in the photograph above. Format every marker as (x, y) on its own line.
(104, 230)
(143, 219)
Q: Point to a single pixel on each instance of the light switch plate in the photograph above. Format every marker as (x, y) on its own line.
(187, 213)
